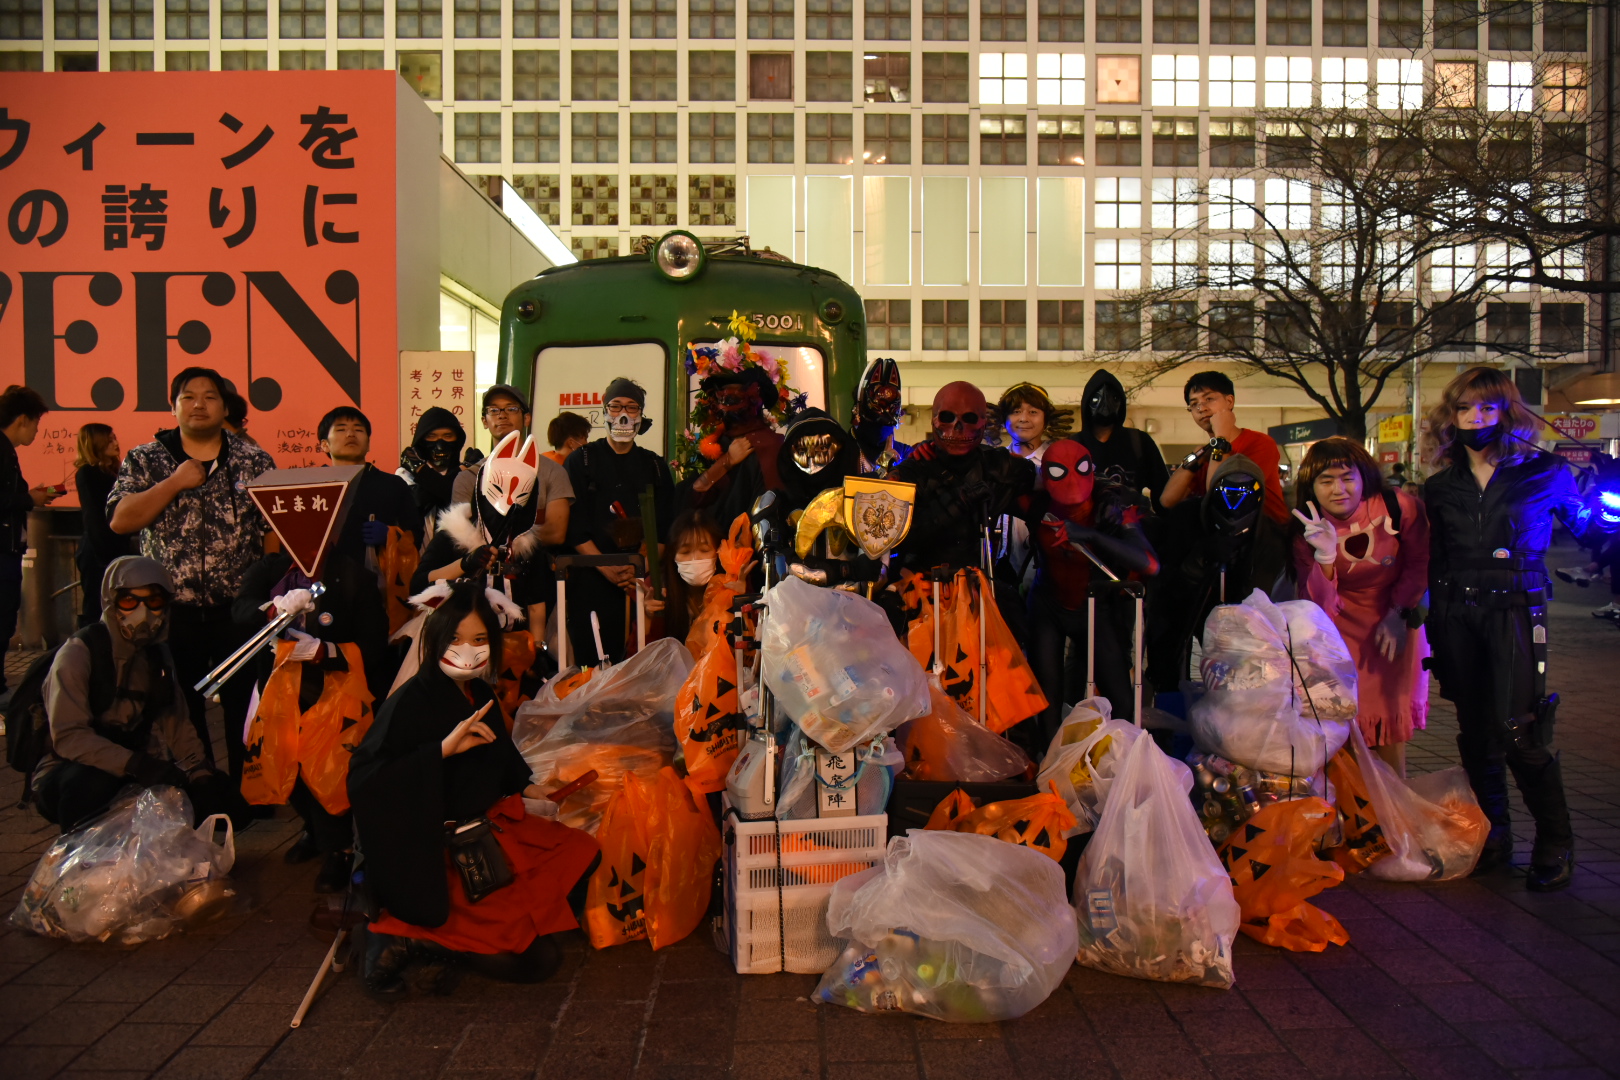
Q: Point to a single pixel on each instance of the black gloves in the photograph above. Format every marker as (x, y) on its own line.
(478, 559)
(411, 461)
(149, 771)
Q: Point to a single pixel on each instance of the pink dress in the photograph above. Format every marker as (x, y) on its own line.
(1377, 570)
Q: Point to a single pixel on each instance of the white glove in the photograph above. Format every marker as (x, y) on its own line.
(1321, 534)
(1390, 635)
(298, 601)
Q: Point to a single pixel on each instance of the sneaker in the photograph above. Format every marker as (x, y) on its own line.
(1611, 610)
(1575, 575)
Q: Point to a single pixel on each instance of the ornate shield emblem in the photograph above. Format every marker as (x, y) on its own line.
(878, 513)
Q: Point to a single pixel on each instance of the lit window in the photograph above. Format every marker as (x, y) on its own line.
(1507, 85)
(1060, 79)
(1118, 202)
(1288, 204)
(1231, 264)
(1563, 88)
(1339, 263)
(1344, 82)
(1231, 204)
(1004, 78)
(1175, 80)
(1175, 203)
(1175, 262)
(1338, 209)
(1400, 84)
(1288, 82)
(1288, 262)
(1454, 84)
(1118, 263)
(1564, 202)
(1396, 266)
(1119, 80)
(1506, 261)
(1231, 82)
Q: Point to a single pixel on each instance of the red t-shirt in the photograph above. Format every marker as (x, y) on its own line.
(1258, 448)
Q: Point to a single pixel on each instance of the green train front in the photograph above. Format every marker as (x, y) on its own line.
(569, 331)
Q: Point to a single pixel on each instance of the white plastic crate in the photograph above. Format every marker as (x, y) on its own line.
(776, 901)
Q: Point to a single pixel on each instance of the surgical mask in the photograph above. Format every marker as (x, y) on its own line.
(1478, 438)
(696, 571)
(141, 626)
(623, 428)
(464, 663)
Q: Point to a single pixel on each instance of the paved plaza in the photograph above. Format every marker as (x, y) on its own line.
(1473, 980)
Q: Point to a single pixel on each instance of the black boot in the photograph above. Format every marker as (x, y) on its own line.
(387, 957)
(1552, 860)
(334, 873)
(1487, 775)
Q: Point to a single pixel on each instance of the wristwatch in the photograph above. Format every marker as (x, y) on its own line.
(1219, 448)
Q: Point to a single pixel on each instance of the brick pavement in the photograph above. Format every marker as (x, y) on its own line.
(1475, 979)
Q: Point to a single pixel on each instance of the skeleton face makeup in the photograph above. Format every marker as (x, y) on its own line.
(960, 415)
(1067, 471)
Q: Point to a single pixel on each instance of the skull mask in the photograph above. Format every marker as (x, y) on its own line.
(1067, 472)
(960, 415)
(509, 474)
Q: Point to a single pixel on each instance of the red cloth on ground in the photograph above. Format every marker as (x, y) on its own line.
(547, 859)
(1259, 448)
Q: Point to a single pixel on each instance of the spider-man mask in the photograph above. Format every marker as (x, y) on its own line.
(960, 414)
(1066, 468)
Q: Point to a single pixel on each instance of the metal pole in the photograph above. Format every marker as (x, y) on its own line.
(562, 622)
(1091, 645)
(984, 666)
(939, 665)
(320, 976)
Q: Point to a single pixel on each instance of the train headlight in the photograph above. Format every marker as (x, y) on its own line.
(679, 256)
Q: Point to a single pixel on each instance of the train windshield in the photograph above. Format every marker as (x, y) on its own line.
(571, 378)
(807, 369)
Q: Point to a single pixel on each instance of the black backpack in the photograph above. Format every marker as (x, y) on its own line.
(28, 728)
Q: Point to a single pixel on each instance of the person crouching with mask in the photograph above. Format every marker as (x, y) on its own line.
(436, 771)
(117, 713)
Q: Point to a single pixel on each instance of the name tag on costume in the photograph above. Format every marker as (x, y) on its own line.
(306, 509)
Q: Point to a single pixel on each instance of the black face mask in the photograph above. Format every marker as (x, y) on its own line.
(1107, 407)
(1478, 438)
(439, 451)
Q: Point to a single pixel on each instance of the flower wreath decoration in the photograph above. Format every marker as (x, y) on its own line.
(699, 444)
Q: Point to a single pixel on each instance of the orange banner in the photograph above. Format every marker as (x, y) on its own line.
(244, 221)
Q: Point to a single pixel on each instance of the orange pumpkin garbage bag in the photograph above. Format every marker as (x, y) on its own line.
(397, 564)
(1014, 694)
(685, 845)
(1364, 840)
(951, 809)
(1037, 822)
(283, 743)
(708, 718)
(615, 900)
(1272, 861)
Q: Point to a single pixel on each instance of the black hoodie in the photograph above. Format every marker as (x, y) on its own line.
(431, 487)
(800, 487)
(1130, 457)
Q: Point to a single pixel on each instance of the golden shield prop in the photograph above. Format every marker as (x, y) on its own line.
(877, 513)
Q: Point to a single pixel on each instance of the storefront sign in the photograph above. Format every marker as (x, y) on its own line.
(1576, 455)
(244, 221)
(445, 379)
(1397, 429)
(1389, 457)
(1307, 432)
(1575, 425)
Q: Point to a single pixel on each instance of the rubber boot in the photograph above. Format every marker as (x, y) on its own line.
(1487, 775)
(1552, 860)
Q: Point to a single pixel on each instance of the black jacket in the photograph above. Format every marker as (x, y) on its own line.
(602, 478)
(15, 501)
(956, 496)
(1515, 512)
(98, 544)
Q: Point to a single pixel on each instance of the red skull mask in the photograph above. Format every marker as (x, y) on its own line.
(960, 415)
(1067, 471)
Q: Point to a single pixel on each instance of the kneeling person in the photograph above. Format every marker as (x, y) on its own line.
(117, 713)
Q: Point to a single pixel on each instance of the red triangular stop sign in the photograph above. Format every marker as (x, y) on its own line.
(306, 509)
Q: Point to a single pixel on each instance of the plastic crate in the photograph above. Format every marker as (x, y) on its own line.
(779, 875)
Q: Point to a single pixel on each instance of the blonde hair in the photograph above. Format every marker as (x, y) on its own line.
(1515, 442)
(93, 439)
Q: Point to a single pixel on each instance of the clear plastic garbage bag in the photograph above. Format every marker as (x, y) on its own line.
(1280, 686)
(956, 926)
(948, 744)
(136, 873)
(1433, 824)
(619, 722)
(1153, 900)
(868, 777)
(1084, 757)
(835, 666)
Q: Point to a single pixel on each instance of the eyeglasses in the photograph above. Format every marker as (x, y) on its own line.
(504, 410)
(129, 601)
(948, 417)
(624, 410)
(1203, 401)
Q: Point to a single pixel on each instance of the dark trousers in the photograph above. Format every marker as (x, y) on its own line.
(589, 591)
(1484, 659)
(201, 637)
(91, 571)
(331, 832)
(10, 603)
(1052, 628)
(72, 793)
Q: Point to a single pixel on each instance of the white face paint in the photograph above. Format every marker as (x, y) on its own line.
(696, 571)
(464, 662)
